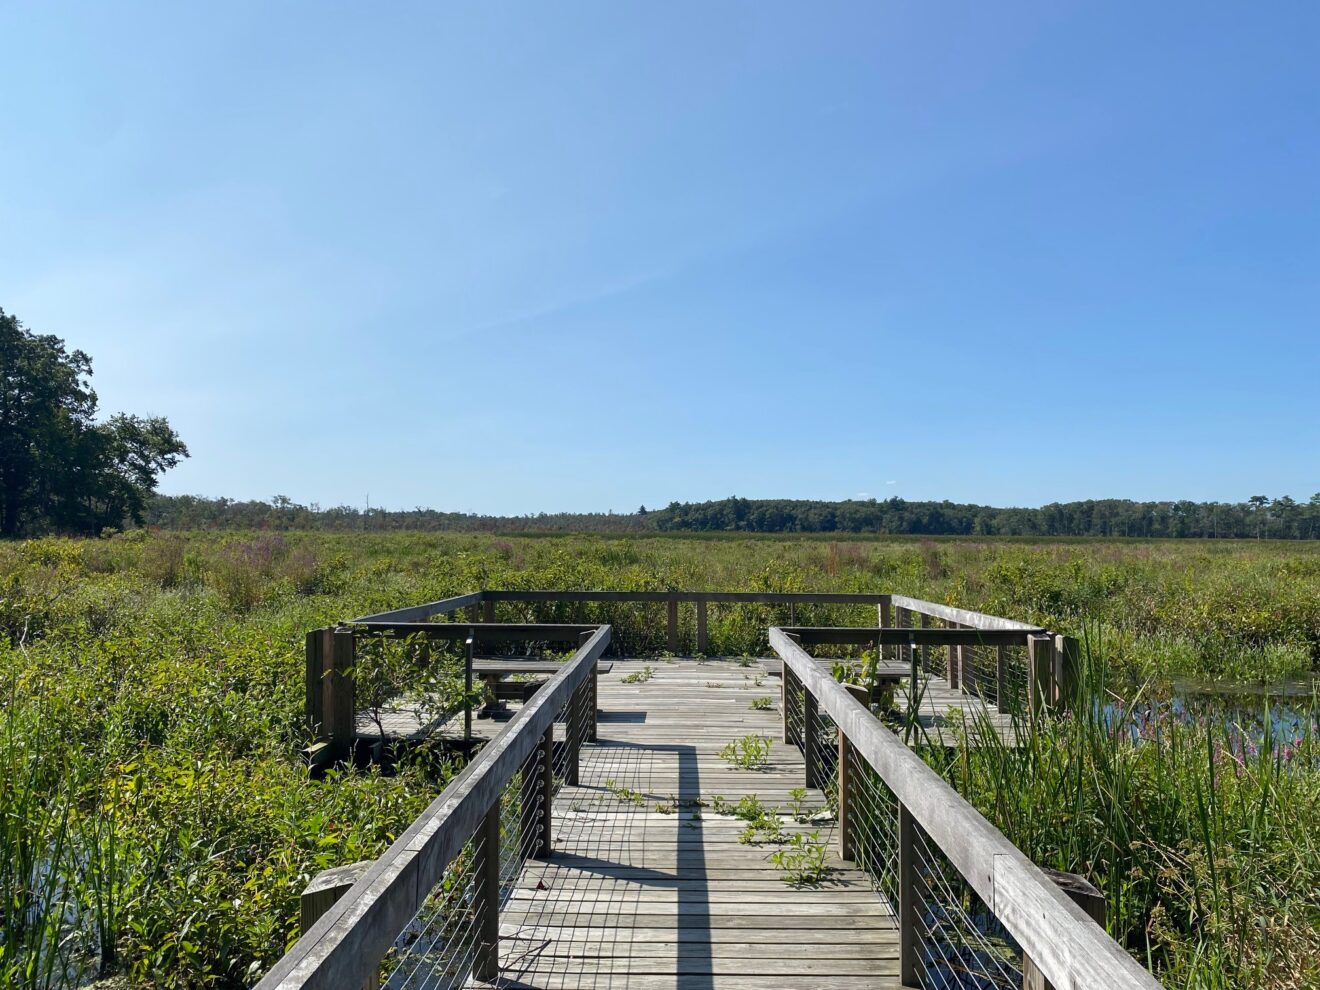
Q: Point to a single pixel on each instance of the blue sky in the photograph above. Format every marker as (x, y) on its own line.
(506, 258)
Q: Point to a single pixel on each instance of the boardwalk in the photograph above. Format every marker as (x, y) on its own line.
(634, 897)
(589, 842)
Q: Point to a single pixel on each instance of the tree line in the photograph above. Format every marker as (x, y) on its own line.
(1256, 517)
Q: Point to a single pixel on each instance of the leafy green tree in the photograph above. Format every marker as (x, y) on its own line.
(59, 468)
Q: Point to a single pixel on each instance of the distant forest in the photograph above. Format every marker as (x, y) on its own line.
(1257, 517)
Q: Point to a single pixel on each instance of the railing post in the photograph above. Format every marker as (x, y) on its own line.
(340, 704)
(314, 707)
(1086, 896)
(703, 633)
(845, 799)
(955, 659)
(574, 729)
(547, 792)
(486, 964)
(902, 619)
(784, 674)
(467, 687)
(473, 613)
(487, 611)
(1040, 672)
(809, 736)
(884, 616)
(1067, 659)
(909, 900)
(593, 691)
(925, 650)
(1001, 675)
(671, 626)
(321, 894)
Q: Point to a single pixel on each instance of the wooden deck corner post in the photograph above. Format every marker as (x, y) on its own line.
(487, 611)
(1067, 663)
(703, 632)
(671, 625)
(314, 706)
(486, 961)
(809, 736)
(909, 899)
(1001, 675)
(324, 891)
(1086, 896)
(547, 793)
(340, 703)
(1040, 664)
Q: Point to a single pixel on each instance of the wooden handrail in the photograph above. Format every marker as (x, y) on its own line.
(962, 616)
(345, 946)
(1063, 942)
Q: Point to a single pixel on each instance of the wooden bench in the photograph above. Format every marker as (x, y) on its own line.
(492, 669)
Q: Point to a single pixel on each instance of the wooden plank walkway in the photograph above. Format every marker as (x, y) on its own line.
(633, 897)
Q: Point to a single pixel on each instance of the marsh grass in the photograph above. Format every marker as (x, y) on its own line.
(1200, 830)
(157, 820)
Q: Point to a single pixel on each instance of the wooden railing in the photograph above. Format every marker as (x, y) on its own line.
(1027, 671)
(345, 947)
(919, 840)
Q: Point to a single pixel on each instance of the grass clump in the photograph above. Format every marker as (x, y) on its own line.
(749, 752)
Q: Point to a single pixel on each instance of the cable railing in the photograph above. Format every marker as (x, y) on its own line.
(972, 910)
(426, 913)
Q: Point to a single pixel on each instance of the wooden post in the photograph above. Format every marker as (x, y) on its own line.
(529, 818)
(884, 614)
(1086, 896)
(902, 619)
(593, 691)
(784, 674)
(703, 636)
(1040, 667)
(1067, 662)
(547, 792)
(845, 799)
(574, 729)
(314, 706)
(325, 889)
(487, 611)
(809, 737)
(486, 961)
(925, 650)
(473, 613)
(671, 626)
(909, 899)
(955, 659)
(340, 703)
(1001, 675)
(467, 688)
(967, 668)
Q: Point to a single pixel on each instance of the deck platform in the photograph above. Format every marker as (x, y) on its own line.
(636, 897)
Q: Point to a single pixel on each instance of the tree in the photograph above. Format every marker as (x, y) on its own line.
(1258, 503)
(59, 468)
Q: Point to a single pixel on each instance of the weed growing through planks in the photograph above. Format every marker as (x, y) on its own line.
(625, 795)
(749, 752)
(802, 860)
(763, 704)
(640, 676)
(797, 804)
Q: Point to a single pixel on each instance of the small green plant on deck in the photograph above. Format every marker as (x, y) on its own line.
(802, 860)
(749, 752)
(625, 795)
(640, 676)
(797, 806)
(745, 661)
(763, 704)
